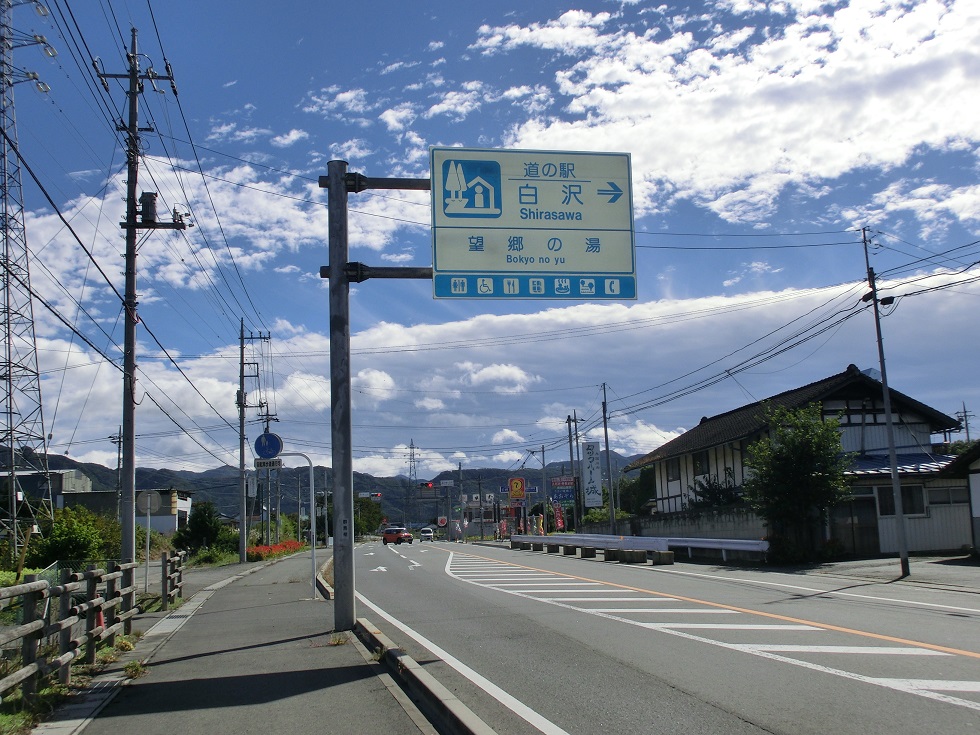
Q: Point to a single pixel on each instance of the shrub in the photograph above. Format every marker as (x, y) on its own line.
(262, 553)
(73, 534)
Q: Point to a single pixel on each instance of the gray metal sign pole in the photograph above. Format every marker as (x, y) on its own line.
(340, 411)
(341, 273)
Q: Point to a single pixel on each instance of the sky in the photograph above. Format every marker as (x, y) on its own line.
(776, 149)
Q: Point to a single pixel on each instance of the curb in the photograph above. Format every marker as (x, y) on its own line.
(439, 704)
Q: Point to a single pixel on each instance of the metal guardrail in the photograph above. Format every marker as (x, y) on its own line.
(597, 541)
(645, 543)
(724, 544)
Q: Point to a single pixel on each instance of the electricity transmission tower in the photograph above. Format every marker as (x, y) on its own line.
(23, 448)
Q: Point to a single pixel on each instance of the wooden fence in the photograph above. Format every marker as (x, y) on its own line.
(59, 623)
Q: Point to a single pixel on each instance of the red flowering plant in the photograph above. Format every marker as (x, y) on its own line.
(263, 553)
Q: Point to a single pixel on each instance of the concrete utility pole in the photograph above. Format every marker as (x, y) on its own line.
(903, 547)
(612, 497)
(146, 209)
(242, 402)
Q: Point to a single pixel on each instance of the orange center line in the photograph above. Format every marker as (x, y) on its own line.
(723, 606)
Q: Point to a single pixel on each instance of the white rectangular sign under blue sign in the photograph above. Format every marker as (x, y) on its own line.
(532, 224)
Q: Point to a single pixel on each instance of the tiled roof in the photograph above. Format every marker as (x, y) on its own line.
(747, 421)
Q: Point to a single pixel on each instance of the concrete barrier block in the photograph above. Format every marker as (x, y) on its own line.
(633, 556)
(552, 548)
(588, 552)
(525, 545)
(515, 544)
(537, 546)
(611, 554)
(569, 550)
(662, 557)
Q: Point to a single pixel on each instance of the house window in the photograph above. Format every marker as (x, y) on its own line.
(948, 496)
(673, 469)
(700, 460)
(913, 501)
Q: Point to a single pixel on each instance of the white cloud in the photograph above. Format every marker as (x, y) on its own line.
(736, 119)
(506, 436)
(754, 269)
(458, 104)
(574, 31)
(333, 102)
(288, 139)
(399, 117)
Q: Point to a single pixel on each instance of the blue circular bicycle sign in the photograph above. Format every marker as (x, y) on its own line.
(268, 445)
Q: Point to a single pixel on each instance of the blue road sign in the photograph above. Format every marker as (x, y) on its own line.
(517, 224)
(268, 445)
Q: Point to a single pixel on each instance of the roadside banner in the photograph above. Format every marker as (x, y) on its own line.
(559, 517)
(591, 475)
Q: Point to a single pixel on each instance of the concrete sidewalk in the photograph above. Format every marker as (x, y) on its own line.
(255, 654)
(960, 572)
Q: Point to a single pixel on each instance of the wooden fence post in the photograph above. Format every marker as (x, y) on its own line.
(91, 592)
(29, 644)
(64, 637)
(129, 599)
(110, 595)
(165, 581)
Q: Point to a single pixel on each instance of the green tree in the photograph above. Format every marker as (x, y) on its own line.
(711, 492)
(367, 516)
(634, 492)
(797, 475)
(202, 529)
(73, 535)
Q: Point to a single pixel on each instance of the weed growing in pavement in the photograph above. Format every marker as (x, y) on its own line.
(135, 669)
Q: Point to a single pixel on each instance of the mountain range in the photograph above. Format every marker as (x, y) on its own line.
(221, 485)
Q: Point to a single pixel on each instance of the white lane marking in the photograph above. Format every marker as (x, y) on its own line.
(726, 626)
(653, 610)
(902, 685)
(484, 578)
(875, 598)
(874, 650)
(605, 599)
(927, 684)
(556, 584)
(662, 610)
(380, 569)
(510, 702)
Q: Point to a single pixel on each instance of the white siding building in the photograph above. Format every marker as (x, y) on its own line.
(936, 504)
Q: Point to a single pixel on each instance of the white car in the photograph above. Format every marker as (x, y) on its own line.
(426, 534)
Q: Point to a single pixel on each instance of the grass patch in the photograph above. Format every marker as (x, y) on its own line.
(19, 717)
(135, 669)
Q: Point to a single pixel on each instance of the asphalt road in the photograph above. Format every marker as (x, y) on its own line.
(545, 643)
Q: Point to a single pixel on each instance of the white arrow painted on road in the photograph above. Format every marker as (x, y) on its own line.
(380, 569)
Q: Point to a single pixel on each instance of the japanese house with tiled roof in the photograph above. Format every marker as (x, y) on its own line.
(937, 505)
